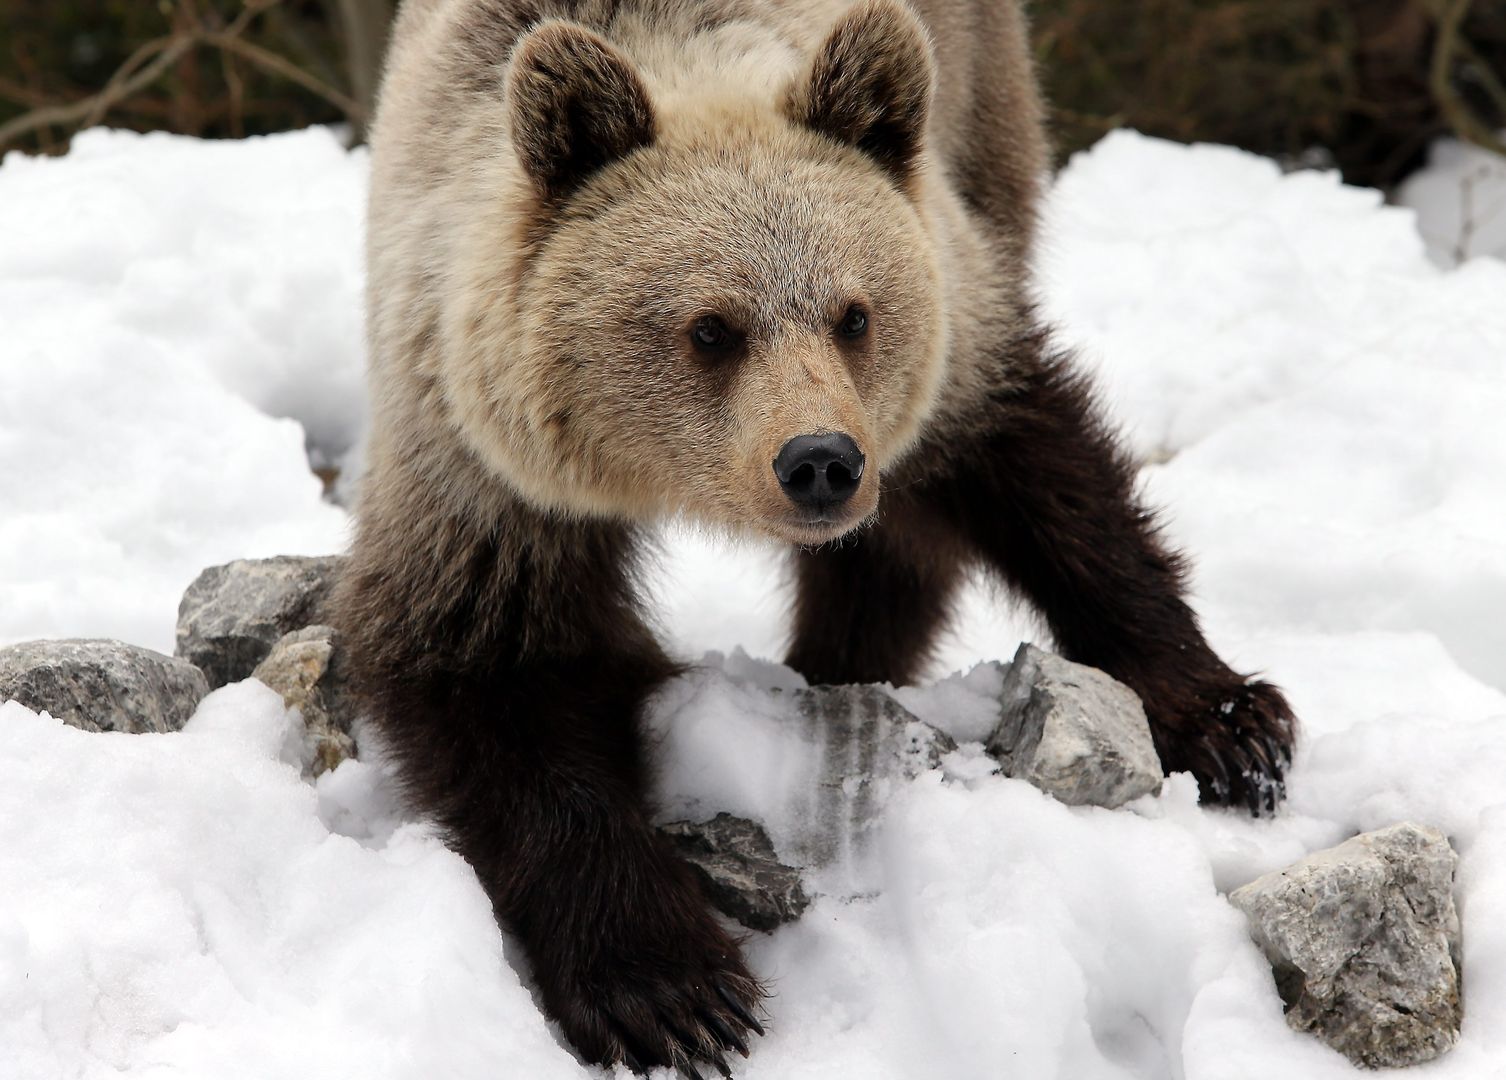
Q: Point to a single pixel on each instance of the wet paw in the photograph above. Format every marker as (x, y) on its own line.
(1239, 748)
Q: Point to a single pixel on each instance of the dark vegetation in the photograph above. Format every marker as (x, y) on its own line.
(1371, 82)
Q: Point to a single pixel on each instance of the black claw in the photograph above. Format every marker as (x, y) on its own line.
(739, 1010)
(1219, 781)
(1259, 752)
(1280, 756)
(633, 1064)
(720, 1064)
(730, 1039)
(690, 1070)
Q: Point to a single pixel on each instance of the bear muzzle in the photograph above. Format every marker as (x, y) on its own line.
(820, 473)
(821, 476)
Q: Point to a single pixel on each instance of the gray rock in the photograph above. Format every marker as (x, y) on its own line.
(1364, 942)
(232, 615)
(743, 878)
(863, 741)
(102, 685)
(874, 734)
(1074, 732)
(304, 667)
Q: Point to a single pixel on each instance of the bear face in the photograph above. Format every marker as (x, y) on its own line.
(732, 312)
(724, 306)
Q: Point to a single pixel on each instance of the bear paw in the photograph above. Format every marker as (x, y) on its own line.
(657, 996)
(1239, 748)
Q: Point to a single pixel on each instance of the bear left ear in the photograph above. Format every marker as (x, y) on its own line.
(870, 85)
(575, 104)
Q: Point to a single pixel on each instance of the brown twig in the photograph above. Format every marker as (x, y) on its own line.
(71, 114)
(108, 95)
(152, 59)
(236, 108)
(1451, 15)
(22, 94)
(270, 61)
(1493, 87)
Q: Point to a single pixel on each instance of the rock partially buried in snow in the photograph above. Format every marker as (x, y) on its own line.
(743, 877)
(304, 667)
(1364, 942)
(864, 741)
(1074, 732)
(874, 734)
(101, 685)
(232, 615)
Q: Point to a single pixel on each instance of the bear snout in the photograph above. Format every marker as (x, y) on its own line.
(819, 473)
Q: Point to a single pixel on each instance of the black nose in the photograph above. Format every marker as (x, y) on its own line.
(819, 471)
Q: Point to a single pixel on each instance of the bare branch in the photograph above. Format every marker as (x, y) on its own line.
(109, 94)
(23, 95)
(270, 61)
(151, 60)
(71, 114)
(1451, 15)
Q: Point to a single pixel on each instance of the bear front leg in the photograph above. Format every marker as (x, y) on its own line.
(868, 608)
(509, 698)
(1047, 497)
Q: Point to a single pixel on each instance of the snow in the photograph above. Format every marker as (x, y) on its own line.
(170, 309)
(1318, 405)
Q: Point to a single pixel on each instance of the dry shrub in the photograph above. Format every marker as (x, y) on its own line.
(1358, 78)
(1280, 77)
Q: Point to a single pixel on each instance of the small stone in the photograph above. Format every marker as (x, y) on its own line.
(304, 668)
(743, 877)
(101, 685)
(232, 615)
(1074, 732)
(1364, 942)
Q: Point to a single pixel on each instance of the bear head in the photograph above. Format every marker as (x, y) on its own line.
(727, 306)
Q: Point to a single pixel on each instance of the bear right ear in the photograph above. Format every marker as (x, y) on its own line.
(575, 104)
(870, 85)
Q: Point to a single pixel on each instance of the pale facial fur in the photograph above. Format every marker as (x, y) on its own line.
(572, 370)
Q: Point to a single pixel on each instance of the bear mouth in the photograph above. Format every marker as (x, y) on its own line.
(815, 528)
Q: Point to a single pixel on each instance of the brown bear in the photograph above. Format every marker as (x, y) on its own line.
(764, 264)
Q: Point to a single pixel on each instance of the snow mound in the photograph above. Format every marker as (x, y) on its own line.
(1317, 404)
(176, 906)
(180, 318)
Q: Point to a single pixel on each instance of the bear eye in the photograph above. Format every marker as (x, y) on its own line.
(854, 324)
(710, 334)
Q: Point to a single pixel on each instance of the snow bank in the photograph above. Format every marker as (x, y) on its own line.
(1318, 406)
(170, 308)
(176, 906)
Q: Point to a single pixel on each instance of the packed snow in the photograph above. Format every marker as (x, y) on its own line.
(1319, 408)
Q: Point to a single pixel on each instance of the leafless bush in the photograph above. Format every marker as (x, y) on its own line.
(203, 67)
(1370, 81)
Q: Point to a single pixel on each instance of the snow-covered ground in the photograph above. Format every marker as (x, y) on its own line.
(1322, 408)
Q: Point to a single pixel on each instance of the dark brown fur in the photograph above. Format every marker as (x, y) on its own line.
(512, 704)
